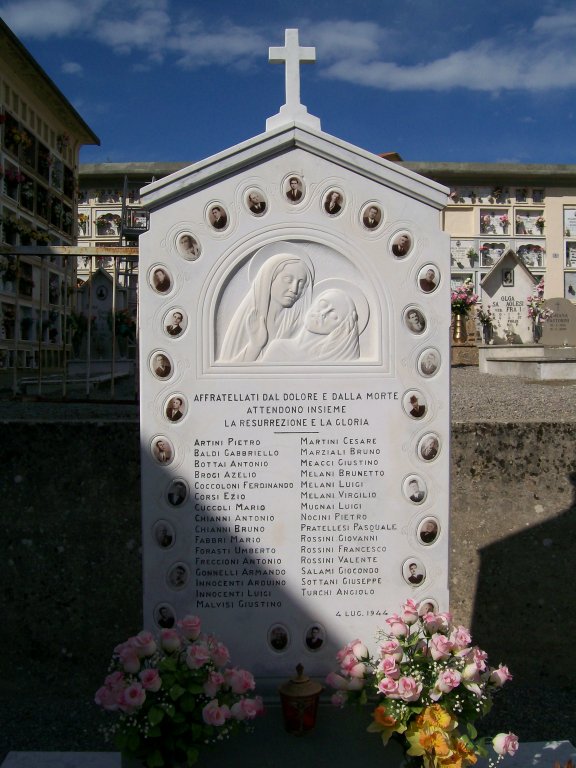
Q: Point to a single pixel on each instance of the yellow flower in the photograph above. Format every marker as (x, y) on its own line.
(385, 724)
(436, 716)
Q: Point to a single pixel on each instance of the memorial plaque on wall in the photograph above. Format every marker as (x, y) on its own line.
(294, 397)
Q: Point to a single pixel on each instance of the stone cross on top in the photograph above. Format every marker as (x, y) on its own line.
(292, 54)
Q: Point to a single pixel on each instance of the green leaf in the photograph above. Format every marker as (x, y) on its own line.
(176, 691)
(472, 732)
(155, 715)
(192, 756)
(155, 759)
(195, 688)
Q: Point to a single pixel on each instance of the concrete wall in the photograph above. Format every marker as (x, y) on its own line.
(70, 559)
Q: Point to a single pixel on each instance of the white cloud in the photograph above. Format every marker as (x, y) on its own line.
(43, 19)
(72, 68)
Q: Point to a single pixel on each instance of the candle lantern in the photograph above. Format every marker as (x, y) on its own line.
(300, 697)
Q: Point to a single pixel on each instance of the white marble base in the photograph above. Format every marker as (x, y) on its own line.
(528, 361)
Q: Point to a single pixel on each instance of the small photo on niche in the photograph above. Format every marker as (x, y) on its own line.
(164, 534)
(415, 489)
(177, 492)
(429, 447)
(160, 279)
(188, 246)
(429, 362)
(413, 572)
(294, 189)
(278, 637)
(428, 530)
(256, 202)
(217, 216)
(315, 637)
(164, 616)
(401, 244)
(333, 202)
(177, 576)
(414, 320)
(371, 216)
(414, 404)
(162, 450)
(175, 322)
(507, 278)
(429, 278)
(161, 365)
(427, 605)
(175, 408)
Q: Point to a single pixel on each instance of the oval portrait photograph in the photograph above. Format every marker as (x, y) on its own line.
(162, 450)
(175, 322)
(414, 320)
(278, 637)
(217, 216)
(160, 365)
(414, 404)
(164, 616)
(428, 278)
(175, 408)
(164, 534)
(428, 531)
(333, 202)
(415, 489)
(429, 362)
(256, 202)
(429, 447)
(178, 576)
(160, 279)
(414, 572)
(177, 492)
(188, 246)
(371, 216)
(294, 189)
(401, 244)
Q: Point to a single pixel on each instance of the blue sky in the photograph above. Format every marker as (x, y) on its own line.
(435, 80)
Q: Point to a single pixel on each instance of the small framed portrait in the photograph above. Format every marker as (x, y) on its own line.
(315, 637)
(175, 322)
(570, 286)
(429, 278)
(429, 447)
(507, 278)
(414, 489)
(164, 616)
(427, 605)
(217, 216)
(401, 244)
(161, 365)
(413, 572)
(294, 189)
(188, 246)
(278, 637)
(414, 320)
(175, 408)
(256, 202)
(333, 202)
(177, 576)
(163, 533)
(371, 216)
(414, 404)
(428, 362)
(160, 279)
(428, 531)
(162, 450)
(177, 492)
(101, 293)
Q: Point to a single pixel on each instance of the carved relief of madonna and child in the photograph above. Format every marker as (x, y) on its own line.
(286, 317)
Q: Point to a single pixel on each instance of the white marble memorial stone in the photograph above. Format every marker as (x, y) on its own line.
(295, 428)
(505, 290)
(560, 328)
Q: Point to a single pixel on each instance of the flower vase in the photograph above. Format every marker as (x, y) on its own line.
(536, 330)
(459, 334)
(487, 332)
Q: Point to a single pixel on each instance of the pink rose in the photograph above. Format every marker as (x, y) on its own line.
(107, 698)
(190, 627)
(440, 647)
(130, 660)
(389, 687)
(246, 709)
(448, 680)
(409, 689)
(360, 651)
(337, 681)
(410, 611)
(358, 670)
(151, 680)
(389, 666)
(392, 648)
(214, 714)
(220, 654)
(144, 643)
(356, 684)
(170, 640)
(240, 680)
(505, 743)
(132, 698)
(398, 627)
(197, 655)
(480, 658)
(471, 673)
(213, 684)
(499, 676)
(460, 638)
(338, 699)
(115, 679)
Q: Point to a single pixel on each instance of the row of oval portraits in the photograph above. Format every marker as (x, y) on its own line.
(414, 403)
(427, 533)
(162, 449)
(162, 366)
(413, 572)
(414, 489)
(161, 280)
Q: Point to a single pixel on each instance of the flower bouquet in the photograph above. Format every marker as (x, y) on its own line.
(463, 297)
(174, 694)
(535, 304)
(431, 685)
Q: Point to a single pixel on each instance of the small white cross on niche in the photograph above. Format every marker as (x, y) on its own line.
(292, 54)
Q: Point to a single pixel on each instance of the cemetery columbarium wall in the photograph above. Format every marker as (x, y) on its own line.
(71, 566)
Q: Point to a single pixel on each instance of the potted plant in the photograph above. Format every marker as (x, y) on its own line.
(537, 312)
(462, 300)
(430, 685)
(174, 694)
